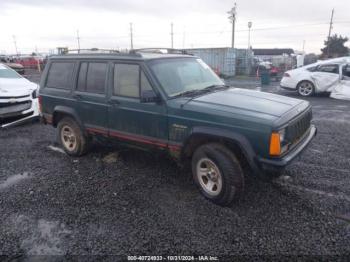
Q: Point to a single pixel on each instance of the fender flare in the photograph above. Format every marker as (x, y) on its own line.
(240, 140)
(67, 111)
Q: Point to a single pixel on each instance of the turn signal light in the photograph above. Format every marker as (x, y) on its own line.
(275, 145)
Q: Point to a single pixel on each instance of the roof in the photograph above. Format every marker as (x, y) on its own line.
(127, 56)
(273, 51)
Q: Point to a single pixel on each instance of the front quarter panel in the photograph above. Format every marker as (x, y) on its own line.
(183, 123)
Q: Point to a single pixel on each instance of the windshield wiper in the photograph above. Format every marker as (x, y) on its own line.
(216, 87)
(189, 93)
(201, 91)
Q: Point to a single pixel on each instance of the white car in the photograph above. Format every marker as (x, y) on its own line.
(315, 78)
(18, 97)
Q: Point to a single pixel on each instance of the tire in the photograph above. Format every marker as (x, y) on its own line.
(71, 137)
(218, 174)
(306, 89)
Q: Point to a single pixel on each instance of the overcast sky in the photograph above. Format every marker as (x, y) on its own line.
(45, 25)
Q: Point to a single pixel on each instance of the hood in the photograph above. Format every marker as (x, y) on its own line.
(248, 102)
(16, 87)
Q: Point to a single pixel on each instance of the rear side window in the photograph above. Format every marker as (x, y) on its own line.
(60, 75)
(92, 77)
(96, 78)
(334, 69)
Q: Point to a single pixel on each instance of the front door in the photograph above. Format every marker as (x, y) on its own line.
(130, 120)
(90, 94)
(326, 77)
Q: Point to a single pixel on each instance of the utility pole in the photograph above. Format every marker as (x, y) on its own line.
(232, 18)
(172, 35)
(15, 42)
(184, 38)
(131, 38)
(304, 46)
(250, 24)
(78, 39)
(330, 31)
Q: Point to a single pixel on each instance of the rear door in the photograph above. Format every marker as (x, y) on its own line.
(90, 94)
(129, 119)
(326, 77)
(342, 90)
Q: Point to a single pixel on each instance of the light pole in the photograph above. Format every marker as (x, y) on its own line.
(250, 24)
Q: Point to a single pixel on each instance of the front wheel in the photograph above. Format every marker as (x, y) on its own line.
(217, 173)
(306, 88)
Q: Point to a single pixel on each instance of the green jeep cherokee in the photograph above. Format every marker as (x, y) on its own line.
(175, 103)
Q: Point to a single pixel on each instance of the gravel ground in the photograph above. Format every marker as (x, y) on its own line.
(117, 201)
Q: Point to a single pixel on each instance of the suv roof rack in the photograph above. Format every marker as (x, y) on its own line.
(65, 51)
(158, 50)
(93, 51)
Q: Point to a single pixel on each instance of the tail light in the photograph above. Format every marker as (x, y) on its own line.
(286, 75)
(40, 104)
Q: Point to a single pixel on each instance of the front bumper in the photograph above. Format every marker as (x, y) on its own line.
(23, 108)
(278, 164)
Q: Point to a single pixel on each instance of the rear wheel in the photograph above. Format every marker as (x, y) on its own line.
(217, 173)
(306, 88)
(71, 137)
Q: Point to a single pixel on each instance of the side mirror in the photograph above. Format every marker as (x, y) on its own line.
(149, 96)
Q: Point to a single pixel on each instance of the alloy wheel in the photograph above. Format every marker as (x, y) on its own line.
(68, 138)
(209, 177)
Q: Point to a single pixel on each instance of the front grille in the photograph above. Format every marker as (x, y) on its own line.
(10, 108)
(296, 129)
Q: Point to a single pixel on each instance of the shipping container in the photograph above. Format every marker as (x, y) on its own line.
(221, 60)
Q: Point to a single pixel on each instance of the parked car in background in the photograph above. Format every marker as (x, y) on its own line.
(32, 62)
(10, 63)
(177, 104)
(18, 97)
(315, 78)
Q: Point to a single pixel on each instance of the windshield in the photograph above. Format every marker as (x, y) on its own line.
(179, 75)
(8, 73)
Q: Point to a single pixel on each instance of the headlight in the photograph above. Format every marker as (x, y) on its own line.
(282, 135)
(34, 94)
